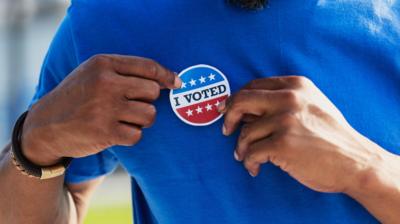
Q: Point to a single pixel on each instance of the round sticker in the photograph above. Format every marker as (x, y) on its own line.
(203, 89)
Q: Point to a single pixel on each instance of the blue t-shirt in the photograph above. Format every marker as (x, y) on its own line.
(187, 174)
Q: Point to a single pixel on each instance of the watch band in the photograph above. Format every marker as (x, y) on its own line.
(27, 167)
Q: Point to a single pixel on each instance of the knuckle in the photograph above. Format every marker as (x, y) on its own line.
(253, 83)
(151, 110)
(121, 136)
(246, 164)
(301, 81)
(100, 60)
(304, 81)
(150, 115)
(238, 98)
(136, 136)
(170, 78)
(151, 67)
(235, 100)
(259, 83)
(250, 162)
(252, 157)
(129, 136)
(154, 90)
(244, 94)
(292, 98)
(103, 79)
(289, 95)
(244, 133)
(154, 85)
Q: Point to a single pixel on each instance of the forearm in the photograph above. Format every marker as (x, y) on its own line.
(28, 200)
(378, 190)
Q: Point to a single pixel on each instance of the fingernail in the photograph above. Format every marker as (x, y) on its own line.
(252, 175)
(236, 155)
(177, 82)
(224, 131)
(221, 106)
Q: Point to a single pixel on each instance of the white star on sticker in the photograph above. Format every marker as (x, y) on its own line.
(192, 82)
(183, 85)
(189, 112)
(216, 104)
(208, 107)
(199, 109)
(211, 77)
(202, 79)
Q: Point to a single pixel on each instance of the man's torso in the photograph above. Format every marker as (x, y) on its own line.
(187, 174)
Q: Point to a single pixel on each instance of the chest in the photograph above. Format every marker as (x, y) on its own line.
(350, 49)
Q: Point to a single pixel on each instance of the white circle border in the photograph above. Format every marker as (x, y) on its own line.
(183, 72)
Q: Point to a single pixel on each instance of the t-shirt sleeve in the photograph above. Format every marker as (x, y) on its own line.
(61, 59)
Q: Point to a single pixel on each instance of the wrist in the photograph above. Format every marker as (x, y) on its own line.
(380, 176)
(37, 155)
(34, 148)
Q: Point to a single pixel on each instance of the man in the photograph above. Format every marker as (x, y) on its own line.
(307, 162)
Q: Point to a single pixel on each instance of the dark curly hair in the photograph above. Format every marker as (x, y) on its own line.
(249, 4)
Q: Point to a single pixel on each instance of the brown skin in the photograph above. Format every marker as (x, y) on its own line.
(294, 126)
(288, 122)
(108, 101)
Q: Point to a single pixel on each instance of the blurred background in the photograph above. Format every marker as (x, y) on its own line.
(26, 30)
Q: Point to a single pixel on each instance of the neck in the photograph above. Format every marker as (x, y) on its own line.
(249, 4)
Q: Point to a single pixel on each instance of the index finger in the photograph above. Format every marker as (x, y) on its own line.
(252, 102)
(145, 68)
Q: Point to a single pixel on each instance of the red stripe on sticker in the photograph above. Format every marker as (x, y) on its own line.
(202, 112)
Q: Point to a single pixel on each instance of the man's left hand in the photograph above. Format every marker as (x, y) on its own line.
(289, 122)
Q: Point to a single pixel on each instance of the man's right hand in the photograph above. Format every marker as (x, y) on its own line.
(106, 101)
